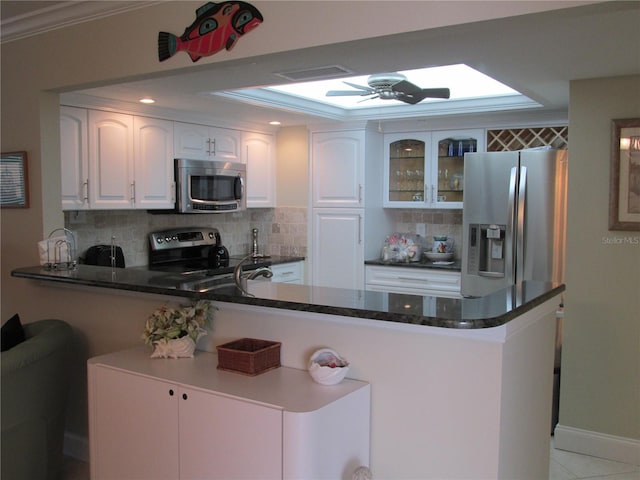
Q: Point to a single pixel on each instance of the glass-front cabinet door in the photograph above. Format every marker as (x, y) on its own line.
(406, 169)
(447, 165)
(426, 170)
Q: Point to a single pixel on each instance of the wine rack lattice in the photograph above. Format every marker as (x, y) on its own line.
(518, 138)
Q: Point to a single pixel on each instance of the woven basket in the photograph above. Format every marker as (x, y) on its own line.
(249, 356)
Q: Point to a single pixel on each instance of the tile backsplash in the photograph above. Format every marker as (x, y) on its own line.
(281, 231)
(435, 222)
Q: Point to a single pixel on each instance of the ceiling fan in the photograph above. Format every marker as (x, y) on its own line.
(391, 86)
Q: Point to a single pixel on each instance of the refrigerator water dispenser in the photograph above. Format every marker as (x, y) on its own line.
(486, 255)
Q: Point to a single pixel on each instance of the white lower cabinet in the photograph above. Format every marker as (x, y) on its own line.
(416, 281)
(184, 419)
(226, 438)
(288, 272)
(338, 248)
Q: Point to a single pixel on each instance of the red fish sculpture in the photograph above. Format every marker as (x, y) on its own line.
(217, 26)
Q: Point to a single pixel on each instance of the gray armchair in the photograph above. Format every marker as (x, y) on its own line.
(34, 390)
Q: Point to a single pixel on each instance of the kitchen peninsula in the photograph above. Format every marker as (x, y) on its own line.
(460, 387)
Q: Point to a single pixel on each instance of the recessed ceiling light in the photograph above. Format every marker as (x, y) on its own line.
(147, 100)
(275, 122)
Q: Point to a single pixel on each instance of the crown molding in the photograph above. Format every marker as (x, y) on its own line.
(63, 14)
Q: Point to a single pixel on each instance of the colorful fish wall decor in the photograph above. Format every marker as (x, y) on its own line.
(217, 26)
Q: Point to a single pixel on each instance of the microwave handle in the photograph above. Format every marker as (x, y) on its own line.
(238, 188)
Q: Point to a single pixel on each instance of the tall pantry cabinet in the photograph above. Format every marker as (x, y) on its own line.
(348, 222)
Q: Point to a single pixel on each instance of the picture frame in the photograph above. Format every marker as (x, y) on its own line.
(624, 189)
(14, 180)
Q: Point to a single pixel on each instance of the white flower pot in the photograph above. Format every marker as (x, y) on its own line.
(183, 347)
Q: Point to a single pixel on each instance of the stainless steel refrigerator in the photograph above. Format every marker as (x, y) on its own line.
(514, 219)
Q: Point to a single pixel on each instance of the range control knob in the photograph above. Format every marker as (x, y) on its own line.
(159, 240)
(167, 239)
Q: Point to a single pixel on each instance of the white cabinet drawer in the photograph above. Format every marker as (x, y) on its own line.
(419, 281)
(288, 272)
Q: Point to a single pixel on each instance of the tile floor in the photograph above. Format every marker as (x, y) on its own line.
(572, 466)
(564, 466)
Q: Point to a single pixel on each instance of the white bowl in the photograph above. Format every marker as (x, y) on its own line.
(439, 257)
(327, 367)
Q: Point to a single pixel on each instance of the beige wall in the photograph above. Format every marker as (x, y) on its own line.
(292, 184)
(600, 384)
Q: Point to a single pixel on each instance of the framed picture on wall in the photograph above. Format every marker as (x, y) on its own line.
(624, 192)
(14, 182)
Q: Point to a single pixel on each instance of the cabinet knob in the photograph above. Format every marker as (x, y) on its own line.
(171, 392)
(184, 396)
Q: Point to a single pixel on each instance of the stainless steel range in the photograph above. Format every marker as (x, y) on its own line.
(184, 250)
(194, 258)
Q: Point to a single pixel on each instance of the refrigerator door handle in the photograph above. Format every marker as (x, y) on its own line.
(510, 233)
(522, 199)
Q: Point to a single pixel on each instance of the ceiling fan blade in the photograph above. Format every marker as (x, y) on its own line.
(405, 87)
(436, 92)
(347, 93)
(409, 93)
(370, 98)
(360, 87)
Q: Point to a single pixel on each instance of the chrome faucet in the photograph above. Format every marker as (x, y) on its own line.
(240, 279)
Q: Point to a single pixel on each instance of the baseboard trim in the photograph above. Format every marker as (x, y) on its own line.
(76, 446)
(611, 447)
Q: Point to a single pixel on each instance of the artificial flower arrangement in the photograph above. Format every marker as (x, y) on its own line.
(173, 332)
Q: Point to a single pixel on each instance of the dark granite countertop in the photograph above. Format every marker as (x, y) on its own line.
(457, 313)
(456, 266)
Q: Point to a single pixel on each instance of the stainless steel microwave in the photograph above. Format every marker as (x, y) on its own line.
(204, 186)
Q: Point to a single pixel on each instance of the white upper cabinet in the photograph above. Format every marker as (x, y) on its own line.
(258, 151)
(201, 142)
(447, 165)
(154, 187)
(337, 164)
(111, 175)
(406, 169)
(425, 169)
(74, 158)
(115, 161)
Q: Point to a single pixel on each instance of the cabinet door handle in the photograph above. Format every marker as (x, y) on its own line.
(214, 146)
(413, 279)
(85, 188)
(171, 392)
(133, 192)
(360, 193)
(359, 229)
(184, 396)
